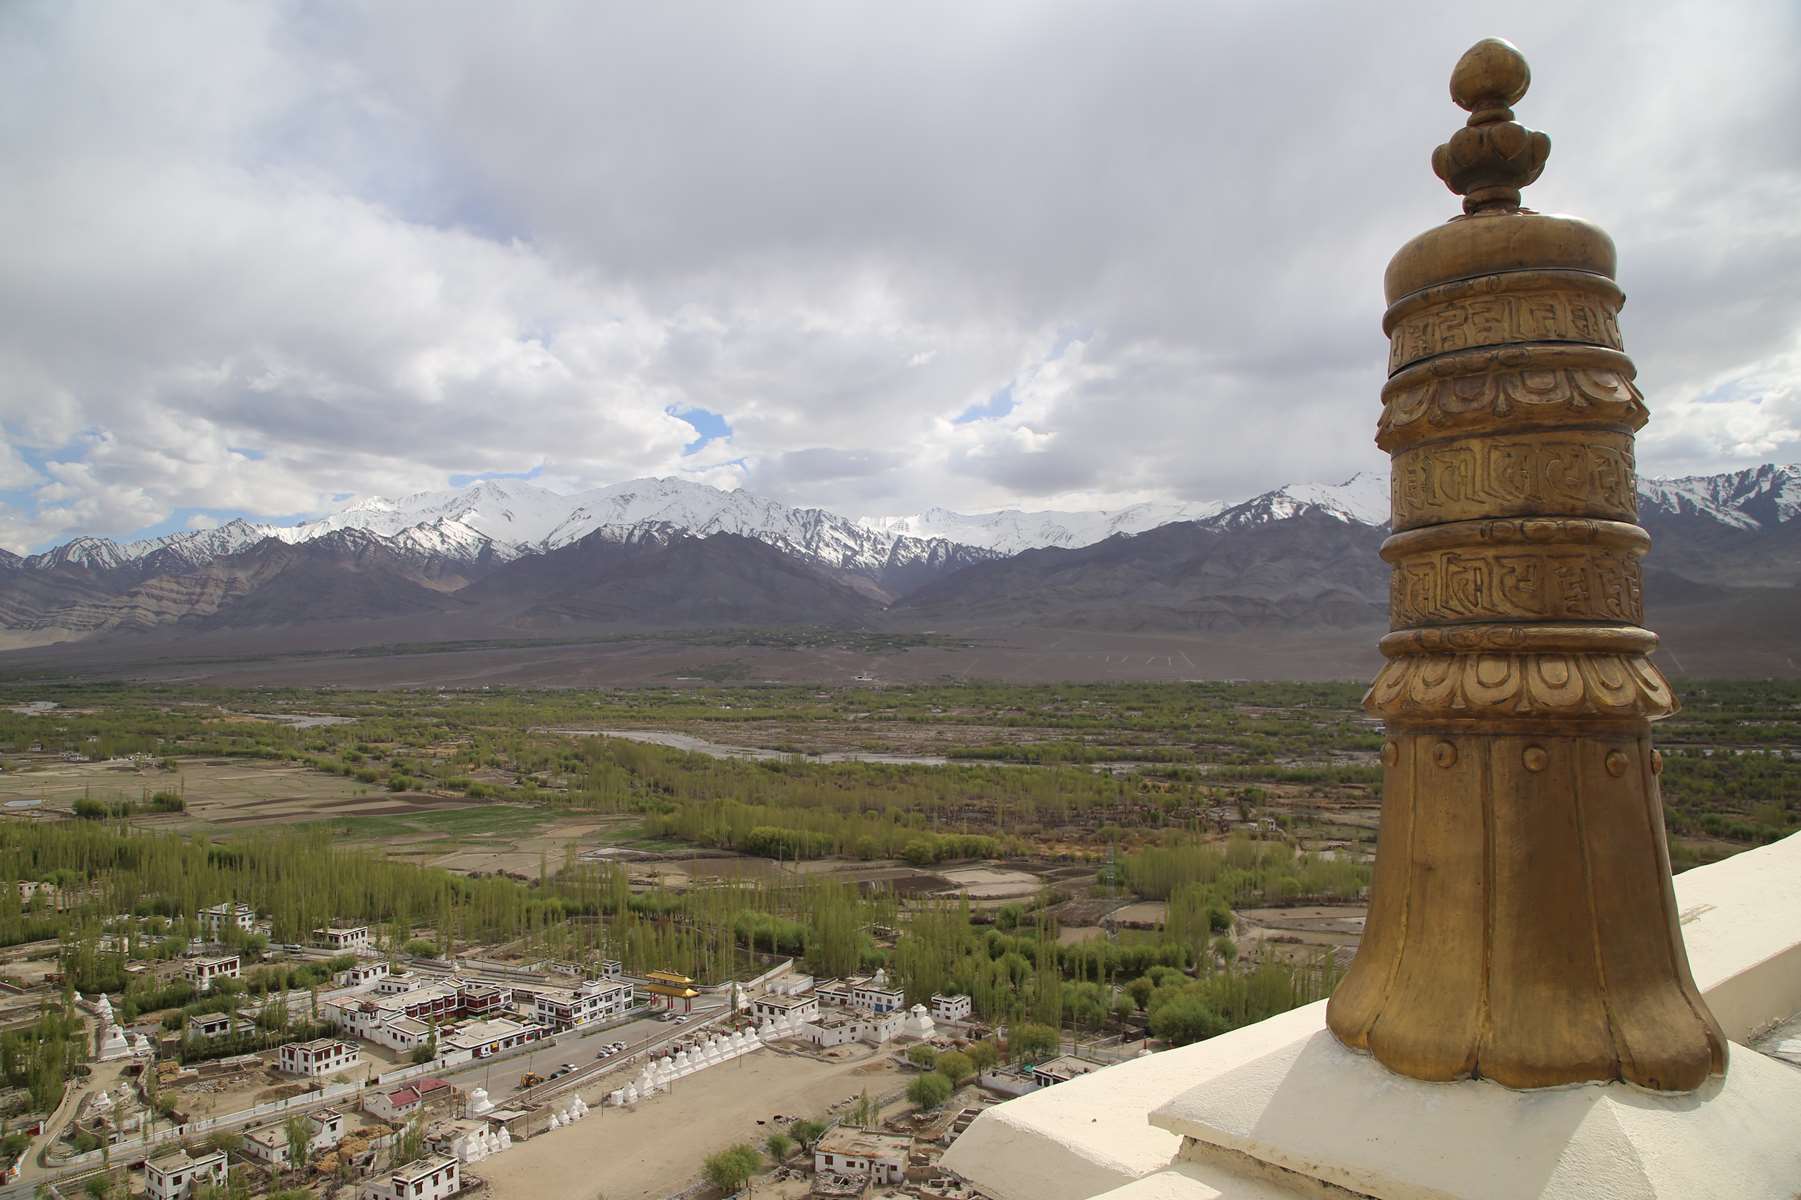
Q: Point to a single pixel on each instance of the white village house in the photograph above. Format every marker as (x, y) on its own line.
(595, 1000)
(172, 1176)
(952, 1008)
(428, 1179)
(877, 996)
(204, 972)
(210, 1025)
(269, 1145)
(321, 1056)
(485, 1038)
(214, 921)
(838, 1026)
(343, 937)
(870, 1154)
(782, 1008)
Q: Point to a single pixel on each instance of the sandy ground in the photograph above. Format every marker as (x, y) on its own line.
(1143, 912)
(993, 883)
(653, 1150)
(231, 1093)
(1301, 931)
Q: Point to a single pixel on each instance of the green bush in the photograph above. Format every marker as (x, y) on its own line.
(929, 1091)
(730, 1169)
(1032, 1043)
(956, 1066)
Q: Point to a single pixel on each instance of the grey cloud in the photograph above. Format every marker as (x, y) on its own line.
(382, 244)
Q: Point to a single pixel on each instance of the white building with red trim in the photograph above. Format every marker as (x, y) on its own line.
(595, 1000)
(204, 972)
(434, 1178)
(173, 1176)
(321, 1056)
(400, 1105)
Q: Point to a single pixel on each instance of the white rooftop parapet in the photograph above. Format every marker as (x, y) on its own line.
(1280, 1109)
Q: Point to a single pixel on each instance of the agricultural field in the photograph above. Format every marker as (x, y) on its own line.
(1188, 856)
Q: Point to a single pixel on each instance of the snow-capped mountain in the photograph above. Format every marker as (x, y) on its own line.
(508, 519)
(1757, 498)
(194, 547)
(1363, 498)
(499, 520)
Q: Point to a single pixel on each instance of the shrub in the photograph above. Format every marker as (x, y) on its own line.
(956, 1066)
(922, 1055)
(929, 1091)
(1030, 1043)
(806, 1132)
(730, 1169)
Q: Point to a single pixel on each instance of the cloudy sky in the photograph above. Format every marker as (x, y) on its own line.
(255, 258)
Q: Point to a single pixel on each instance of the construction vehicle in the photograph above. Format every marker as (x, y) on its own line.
(530, 1079)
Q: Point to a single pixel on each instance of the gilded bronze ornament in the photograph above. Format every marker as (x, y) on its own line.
(1522, 923)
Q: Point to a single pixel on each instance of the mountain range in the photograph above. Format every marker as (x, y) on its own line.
(506, 557)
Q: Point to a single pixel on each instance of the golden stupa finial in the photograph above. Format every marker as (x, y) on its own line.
(1491, 158)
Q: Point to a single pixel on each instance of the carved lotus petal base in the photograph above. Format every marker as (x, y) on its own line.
(1459, 687)
(1522, 923)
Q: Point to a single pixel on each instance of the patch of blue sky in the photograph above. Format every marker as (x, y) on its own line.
(997, 405)
(707, 426)
(1731, 392)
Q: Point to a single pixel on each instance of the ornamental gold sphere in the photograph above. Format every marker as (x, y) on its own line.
(1491, 74)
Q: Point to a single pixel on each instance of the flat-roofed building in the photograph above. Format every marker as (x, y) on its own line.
(839, 1026)
(878, 997)
(343, 937)
(215, 920)
(210, 1025)
(595, 1000)
(485, 1038)
(780, 1008)
(862, 1154)
(203, 973)
(364, 1014)
(1063, 1069)
(363, 974)
(269, 1145)
(321, 1056)
(952, 1008)
(480, 999)
(398, 982)
(172, 1176)
(432, 1178)
(401, 1033)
